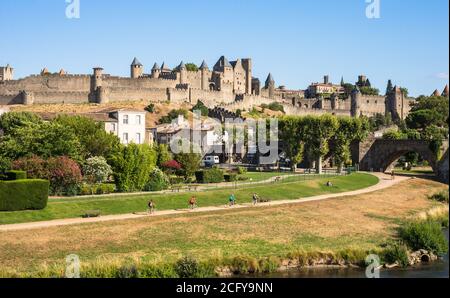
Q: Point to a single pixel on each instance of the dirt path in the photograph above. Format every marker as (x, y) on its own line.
(385, 182)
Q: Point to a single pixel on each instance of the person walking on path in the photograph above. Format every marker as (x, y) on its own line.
(255, 199)
(232, 200)
(151, 207)
(192, 202)
(392, 175)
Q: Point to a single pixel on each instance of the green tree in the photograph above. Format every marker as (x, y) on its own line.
(348, 130)
(13, 120)
(173, 115)
(43, 139)
(164, 154)
(132, 166)
(291, 134)
(317, 133)
(190, 162)
(191, 67)
(394, 134)
(94, 140)
(200, 106)
(366, 90)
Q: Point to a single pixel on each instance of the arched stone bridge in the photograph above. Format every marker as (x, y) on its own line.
(379, 155)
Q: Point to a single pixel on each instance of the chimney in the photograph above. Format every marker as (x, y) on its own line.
(326, 79)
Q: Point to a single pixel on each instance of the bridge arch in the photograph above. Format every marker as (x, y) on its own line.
(381, 154)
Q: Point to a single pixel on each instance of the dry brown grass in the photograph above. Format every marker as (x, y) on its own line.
(161, 109)
(361, 222)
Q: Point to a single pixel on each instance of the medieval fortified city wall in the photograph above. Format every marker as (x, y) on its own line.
(229, 85)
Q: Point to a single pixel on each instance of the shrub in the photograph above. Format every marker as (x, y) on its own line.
(65, 175)
(97, 170)
(230, 177)
(244, 265)
(15, 175)
(241, 170)
(397, 252)
(200, 106)
(275, 106)
(187, 267)
(269, 265)
(35, 166)
(132, 166)
(214, 175)
(18, 195)
(128, 271)
(158, 181)
(96, 189)
(150, 108)
(424, 235)
(440, 197)
(173, 115)
(171, 166)
(176, 180)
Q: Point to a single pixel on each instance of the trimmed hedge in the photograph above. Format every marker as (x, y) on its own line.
(97, 189)
(231, 177)
(15, 175)
(18, 195)
(214, 175)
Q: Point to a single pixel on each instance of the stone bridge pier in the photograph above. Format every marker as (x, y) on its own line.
(378, 155)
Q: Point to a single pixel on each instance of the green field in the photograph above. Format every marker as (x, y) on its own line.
(292, 188)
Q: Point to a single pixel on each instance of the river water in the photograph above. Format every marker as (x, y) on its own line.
(438, 269)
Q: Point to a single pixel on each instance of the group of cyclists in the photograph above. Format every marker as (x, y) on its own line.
(192, 203)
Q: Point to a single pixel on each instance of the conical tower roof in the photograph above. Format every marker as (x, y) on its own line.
(221, 63)
(155, 66)
(270, 79)
(445, 93)
(136, 62)
(204, 65)
(436, 93)
(165, 68)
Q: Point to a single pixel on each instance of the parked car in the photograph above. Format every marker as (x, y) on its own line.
(209, 161)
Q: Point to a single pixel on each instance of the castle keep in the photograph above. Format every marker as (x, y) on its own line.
(228, 84)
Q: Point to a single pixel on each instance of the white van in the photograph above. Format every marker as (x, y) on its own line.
(209, 161)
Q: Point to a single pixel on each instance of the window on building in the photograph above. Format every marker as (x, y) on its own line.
(125, 119)
(113, 127)
(125, 138)
(138, 138)
(138, 119)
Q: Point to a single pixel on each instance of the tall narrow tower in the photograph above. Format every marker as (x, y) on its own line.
(356, 102)
(247, 64)
(205, 75)
(270, 85)
(156, 71)
(137, 69)
(183, 73)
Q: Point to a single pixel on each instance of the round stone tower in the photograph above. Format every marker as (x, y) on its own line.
(137, 69)
(156, 71)
(205, 75)
(27, 98)
(356, 102)
(183, 73)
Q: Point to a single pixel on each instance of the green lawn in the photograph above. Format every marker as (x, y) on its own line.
(72, 208)
(261, 176)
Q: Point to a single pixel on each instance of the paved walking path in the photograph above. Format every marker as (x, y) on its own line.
(385, 182)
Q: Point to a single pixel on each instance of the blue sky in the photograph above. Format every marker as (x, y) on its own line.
(297, 40)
